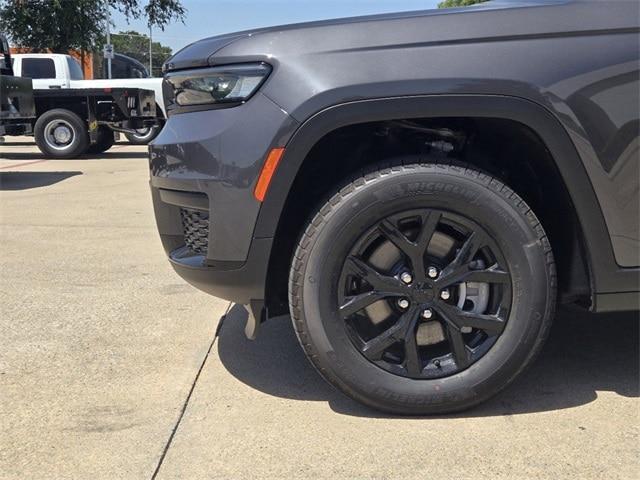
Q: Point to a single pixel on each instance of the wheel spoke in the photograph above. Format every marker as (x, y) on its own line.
(412, 360)
(491, 324)
(429, 223)
(460, 269)
(396, 237)
(415, 251)
(458, 318)
(356, 303)
(464, 273)
(492, 274)
(379, 281)
(474, 242)
(374, 348)
(458, 347)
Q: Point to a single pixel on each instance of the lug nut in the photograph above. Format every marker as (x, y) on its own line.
(432, 272)
(406, 277)
(444, 294)
(403, 303)
(427, 313)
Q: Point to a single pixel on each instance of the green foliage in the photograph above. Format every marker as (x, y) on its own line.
(136, 45)
(61, 25)
(458, 3)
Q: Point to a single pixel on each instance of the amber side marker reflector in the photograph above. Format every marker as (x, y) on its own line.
(268, 169)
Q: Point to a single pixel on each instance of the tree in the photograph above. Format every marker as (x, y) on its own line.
(62, 25)
(136, 45)
(458, 3)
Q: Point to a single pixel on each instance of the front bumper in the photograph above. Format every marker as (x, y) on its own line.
(204, 167)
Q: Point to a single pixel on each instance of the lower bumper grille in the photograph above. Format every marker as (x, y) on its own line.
(195, 225)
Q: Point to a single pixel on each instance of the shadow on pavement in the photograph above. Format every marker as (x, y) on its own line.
(16, 144)
(108, 155)
(27, 180)
(584, 354)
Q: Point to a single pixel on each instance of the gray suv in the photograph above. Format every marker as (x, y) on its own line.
(417, 190)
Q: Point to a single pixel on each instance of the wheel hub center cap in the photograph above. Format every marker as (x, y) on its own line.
(423, 293)
(62, 134)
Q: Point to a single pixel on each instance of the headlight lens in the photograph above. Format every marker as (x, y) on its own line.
(231, 84)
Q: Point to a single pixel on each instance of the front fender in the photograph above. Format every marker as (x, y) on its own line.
(605, 273)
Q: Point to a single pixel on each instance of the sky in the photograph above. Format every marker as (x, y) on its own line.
(206, 18)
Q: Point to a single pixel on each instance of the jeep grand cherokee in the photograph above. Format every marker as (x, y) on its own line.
(417, 190)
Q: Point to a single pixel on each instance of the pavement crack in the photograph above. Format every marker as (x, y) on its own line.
(186, 401)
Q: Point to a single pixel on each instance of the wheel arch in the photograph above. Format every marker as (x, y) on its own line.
(597, 245)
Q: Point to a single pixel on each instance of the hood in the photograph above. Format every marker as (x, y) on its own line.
(197, 54)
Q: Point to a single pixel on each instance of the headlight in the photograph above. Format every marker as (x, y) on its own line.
(207, 87)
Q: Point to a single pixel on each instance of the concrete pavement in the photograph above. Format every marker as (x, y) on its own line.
(100, 341)
(104, 370)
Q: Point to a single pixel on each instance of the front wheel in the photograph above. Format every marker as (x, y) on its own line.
(422, 288)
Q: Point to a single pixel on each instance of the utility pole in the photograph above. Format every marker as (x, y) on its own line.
(150, 53)
(108, 41)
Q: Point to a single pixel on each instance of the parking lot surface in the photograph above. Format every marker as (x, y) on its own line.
(110, 368)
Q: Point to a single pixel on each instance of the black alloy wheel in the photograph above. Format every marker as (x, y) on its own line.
(403, 293)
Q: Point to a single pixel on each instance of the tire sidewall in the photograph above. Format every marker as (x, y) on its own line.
(358, 211)
(81, 137)
(137, 140)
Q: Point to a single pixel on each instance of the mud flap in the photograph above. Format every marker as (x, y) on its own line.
(257, 313)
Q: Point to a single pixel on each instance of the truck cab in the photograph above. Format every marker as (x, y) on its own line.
(48, 70)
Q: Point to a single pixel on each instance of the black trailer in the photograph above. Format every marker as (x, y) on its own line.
(17, 107)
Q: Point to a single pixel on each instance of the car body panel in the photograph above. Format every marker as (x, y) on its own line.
(572, 65)
(199, 153)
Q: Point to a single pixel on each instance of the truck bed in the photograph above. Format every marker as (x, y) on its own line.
(132, 101)
(153, 83)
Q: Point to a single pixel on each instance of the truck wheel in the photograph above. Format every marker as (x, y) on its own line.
(104, 141)
(422, 289)
(60, 133)
(143, 135)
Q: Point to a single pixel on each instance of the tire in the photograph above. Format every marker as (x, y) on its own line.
(483, 229)
(145, 136)
(104, 141)
(61, 133)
